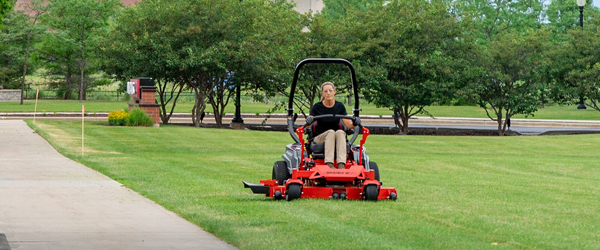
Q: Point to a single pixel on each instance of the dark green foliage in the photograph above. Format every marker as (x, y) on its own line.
(405, 53)
(75, 27)
(207, 50)
(506, 78)
(12, 49)
(578, 74)
(138, 117)
(506, 71)
(5, 7)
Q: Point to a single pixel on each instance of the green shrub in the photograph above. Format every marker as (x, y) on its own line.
(117, 117)
(138, 117)
(31, 94)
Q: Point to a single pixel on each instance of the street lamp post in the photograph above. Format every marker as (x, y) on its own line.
(581, 3)
(237, 122)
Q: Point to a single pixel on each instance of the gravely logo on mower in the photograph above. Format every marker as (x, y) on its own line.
(338, 172)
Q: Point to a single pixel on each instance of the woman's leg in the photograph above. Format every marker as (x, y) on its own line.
(327, 137)
(340, 147)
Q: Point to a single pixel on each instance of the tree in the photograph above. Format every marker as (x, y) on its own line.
(322, 41)
(36, 9)
(269, 46)
(339, 9)
(579, 70)
(563, 15)
(509, 76)
(12, 48)
(201, 45)
(144, 40)
(5, 7)
(60, 61)
(405, 53)
(569, 53)
(507, 70)
(78, 21)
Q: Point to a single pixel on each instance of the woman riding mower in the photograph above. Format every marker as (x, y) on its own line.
(327, 130)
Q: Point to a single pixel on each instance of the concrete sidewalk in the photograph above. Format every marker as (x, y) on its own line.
(50, 202)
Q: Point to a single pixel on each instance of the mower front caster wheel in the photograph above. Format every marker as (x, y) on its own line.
(294, 191)
(280, 172)
(371, 193)
(277, 195)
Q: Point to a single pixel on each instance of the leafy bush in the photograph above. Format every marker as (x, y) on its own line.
(117, 117)
(31, 94)
(138, 117)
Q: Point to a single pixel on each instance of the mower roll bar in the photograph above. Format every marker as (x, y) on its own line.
(290, 109)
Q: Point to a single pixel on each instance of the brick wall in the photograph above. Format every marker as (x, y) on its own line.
(147, 103)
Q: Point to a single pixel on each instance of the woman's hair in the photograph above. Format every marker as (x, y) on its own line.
(323, 86)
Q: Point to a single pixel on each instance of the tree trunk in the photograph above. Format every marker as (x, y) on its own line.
(500, 121)
(67, 95)
(218, 118)
(500, 130)
(164, 101)
(38, 13)
(82, 82)
(405, 124)
(218, 109)
(401, 119)
(25, 65)
(220, 98)
(82, 66)
(199, 106)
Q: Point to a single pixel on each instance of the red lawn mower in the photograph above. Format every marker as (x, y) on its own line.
(303, 172)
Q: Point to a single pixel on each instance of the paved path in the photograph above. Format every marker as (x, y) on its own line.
(50, 202)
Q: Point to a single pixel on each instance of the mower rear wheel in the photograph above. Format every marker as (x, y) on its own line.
(294, 191)
(371, 193)
(280, 172)
(373, 166)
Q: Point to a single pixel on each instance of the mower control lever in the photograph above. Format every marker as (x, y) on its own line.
(355, 120)
(311, 119)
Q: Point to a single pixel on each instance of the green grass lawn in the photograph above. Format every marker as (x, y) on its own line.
(561, 112)
(454, 192)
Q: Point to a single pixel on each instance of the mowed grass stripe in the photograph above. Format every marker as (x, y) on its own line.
(454, 192)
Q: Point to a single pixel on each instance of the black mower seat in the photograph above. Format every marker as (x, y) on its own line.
(318, 150)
